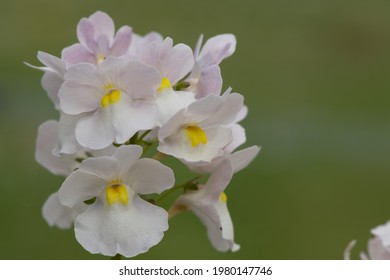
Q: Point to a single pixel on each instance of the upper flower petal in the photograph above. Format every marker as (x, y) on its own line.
(140, 179)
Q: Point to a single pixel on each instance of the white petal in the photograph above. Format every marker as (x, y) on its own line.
(127, 230)
(244, 157)
(51, 82)
(53, 62)
(239, 137)
(126, 157)
(104, 167)
(46, 142)
(59, 215)
(80, 186)
(169, 102)
(66, 134)
(140, 179)
(227, 113)
(129, 117)
(95, 131)
(218, 181)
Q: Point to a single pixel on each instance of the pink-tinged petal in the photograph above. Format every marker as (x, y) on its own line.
(59, 215)
(141, 80)
(127, 230)
(53, 62)
(76, 99)
(140, 179)
(96, 131)
(86, 34)
(46, 142)
(228, 112)
(122, 41)
(104, 167)
(129, 117)
(80, 186)
(209, 82)
(126, 157)
(84, 74)
(51, 83)
(103, 24)
(177, 63)
(139, 43)
(244, 157)
(204, 108)
(165, 48)
(77, 53)
(103, 46)
(218, 48)
(150, 55)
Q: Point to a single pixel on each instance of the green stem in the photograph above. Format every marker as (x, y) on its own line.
(185, 185)
(118, 257)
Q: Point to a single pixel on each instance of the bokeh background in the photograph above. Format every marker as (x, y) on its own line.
(316, 78)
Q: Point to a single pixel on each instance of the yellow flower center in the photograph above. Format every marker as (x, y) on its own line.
(223, 197)
(113, 95)
(165, 84)
(196, 135)
(117, 193)
(100, 58)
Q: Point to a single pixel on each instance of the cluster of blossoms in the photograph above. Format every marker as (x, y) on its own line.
(121, 96)
(378, 247)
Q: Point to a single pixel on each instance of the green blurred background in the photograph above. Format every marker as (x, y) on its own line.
(315, 76)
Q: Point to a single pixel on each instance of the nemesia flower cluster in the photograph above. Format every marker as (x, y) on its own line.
(126, 102)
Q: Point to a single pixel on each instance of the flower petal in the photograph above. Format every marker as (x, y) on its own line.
(140, 179)
(80, 186)
(59, 215)
(46, 142)
(178, 63)
(77, 53)
(127, 230)
(244, 157)
(122, 40)
(95, 131)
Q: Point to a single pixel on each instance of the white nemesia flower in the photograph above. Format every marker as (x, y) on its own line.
(209, 204)
(205, 77)
(97, 40)
(116, 97)
(173, 63)
(49, 156)
(119, 221)
(200, 132)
